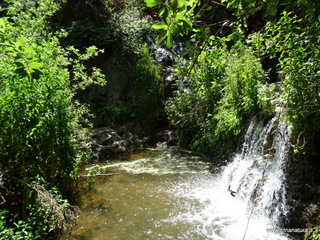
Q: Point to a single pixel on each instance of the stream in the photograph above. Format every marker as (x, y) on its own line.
(174, 195)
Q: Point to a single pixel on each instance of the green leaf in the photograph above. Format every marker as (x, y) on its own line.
(191, 2)
(161, 37)
(231, 3)
(36, 65)
(169, 40)
(160, 26)
(21, 71)
(28, 50)
(182, 3)
(152, 3)
(161, 12)
(2, 25)
(20, 44)
(182, 17)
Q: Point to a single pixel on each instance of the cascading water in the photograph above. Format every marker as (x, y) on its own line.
(173, 195)
(257, 174)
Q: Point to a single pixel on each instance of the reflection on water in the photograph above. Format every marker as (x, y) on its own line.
(166, 195)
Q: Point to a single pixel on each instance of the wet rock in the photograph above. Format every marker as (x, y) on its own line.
(162, 55)
(170, 137)
(165, 139)
(161, 145)
(310, 213)
(106, 142)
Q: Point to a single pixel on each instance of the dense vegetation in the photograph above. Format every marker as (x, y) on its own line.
(246, 57)
(42, 143)
(44, 136)
(243, 57)
(229, 72)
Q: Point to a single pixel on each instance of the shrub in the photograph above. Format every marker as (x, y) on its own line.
(42, 141)
(223, 90)
(115, 116)
(148, 89)
(299, 69)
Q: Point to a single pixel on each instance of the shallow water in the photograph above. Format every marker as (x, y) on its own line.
(166, 195)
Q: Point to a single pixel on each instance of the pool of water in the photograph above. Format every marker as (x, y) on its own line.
(165, 195)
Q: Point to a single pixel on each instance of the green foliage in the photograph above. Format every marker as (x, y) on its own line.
(177, 18)
(92, 172)
(115, 116)
(31, 15)
(37, 116)
(247, 8)
(223, 90)
(48, 213)
(41, 139)
(20, 231)
(250, 7)
(121, 24)
(131, 28)
(148, 88)
(126, 30)
(243, 79)
(315, 233)
(34, 104)
(82, 34)
(299, 54)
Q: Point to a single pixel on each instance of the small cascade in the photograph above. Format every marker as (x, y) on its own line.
(167, 58)
(174, 195)
(257, 173)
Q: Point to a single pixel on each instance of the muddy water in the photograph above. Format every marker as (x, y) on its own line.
(164, 195)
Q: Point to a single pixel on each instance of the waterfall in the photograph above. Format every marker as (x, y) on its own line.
(174, 195)
(257, 173)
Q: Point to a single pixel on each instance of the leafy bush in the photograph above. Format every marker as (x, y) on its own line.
(131, 29)
(20, 231)
(41, 139)
(83, 34)
(299, 69)
(148, 87)
(243, 79)
(223, 90)
(48, 214)
(115, 116)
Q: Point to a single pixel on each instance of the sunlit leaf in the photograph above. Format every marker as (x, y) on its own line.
(169, 42)
(152, 3)
(28, 50)
(160, 26)
(20, 43)
(182, 17)
(36, 65)
(2, 25)
(162, 11)
(182, 3)
(191, 2)
(161, 37)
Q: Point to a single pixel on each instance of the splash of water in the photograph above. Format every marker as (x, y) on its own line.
(171, 195)
(257, 173)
